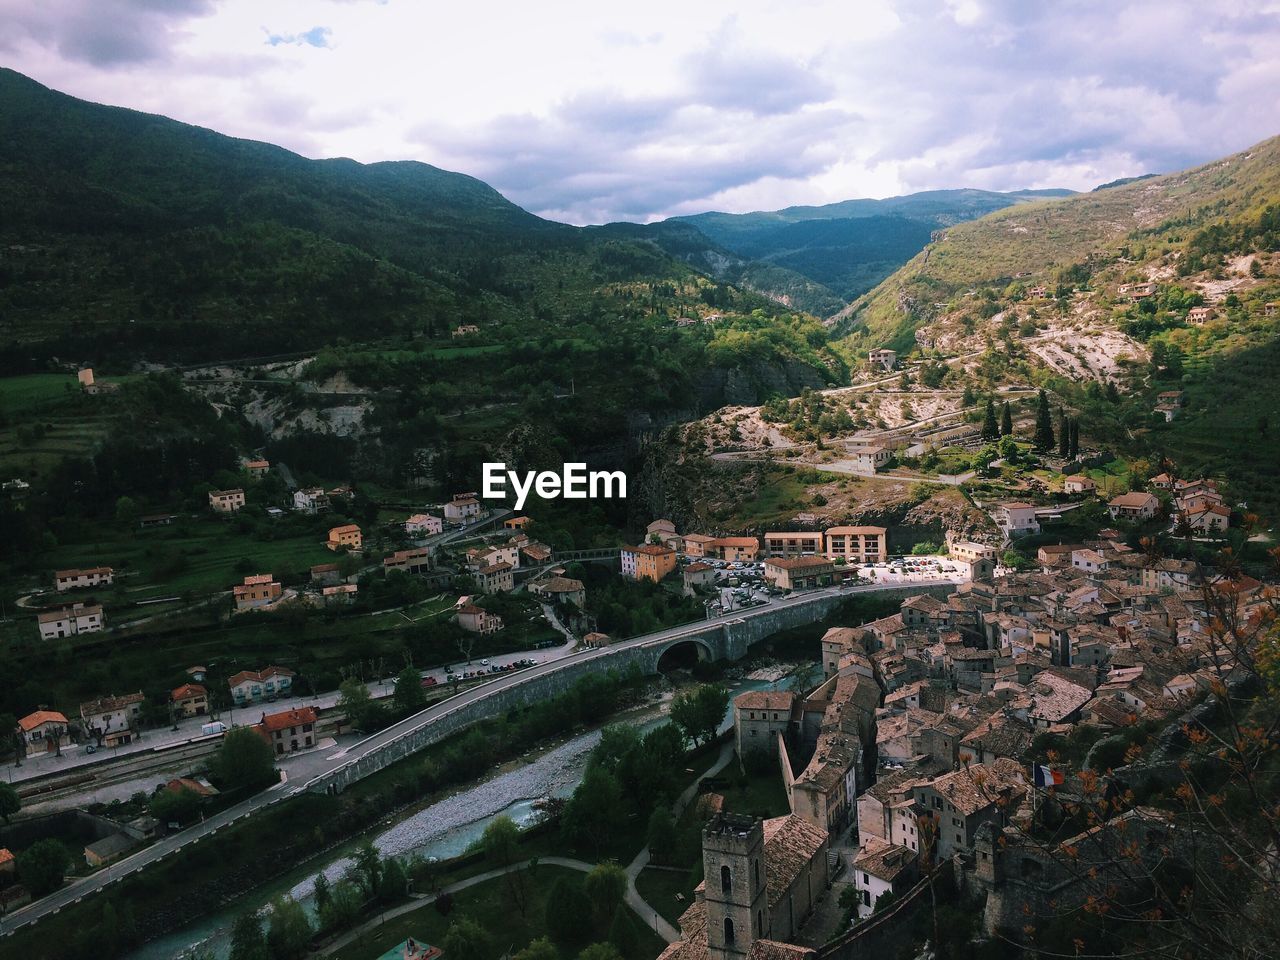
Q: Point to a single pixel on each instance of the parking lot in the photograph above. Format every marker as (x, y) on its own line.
(741, 585)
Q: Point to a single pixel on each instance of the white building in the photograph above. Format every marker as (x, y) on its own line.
(423, 525)
(79, 579)
(311, 500)
(69, 621)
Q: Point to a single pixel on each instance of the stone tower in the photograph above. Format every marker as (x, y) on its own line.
(736, 894)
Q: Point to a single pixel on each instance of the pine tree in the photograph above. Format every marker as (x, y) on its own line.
(1006, 421)
(1044, 424)
(990, 429)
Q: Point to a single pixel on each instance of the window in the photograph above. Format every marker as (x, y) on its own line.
(726, 879)
(755, 866)
(760, 921)
(866, 898)
(728, 928)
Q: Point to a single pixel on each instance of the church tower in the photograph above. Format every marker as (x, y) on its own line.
(735, 891)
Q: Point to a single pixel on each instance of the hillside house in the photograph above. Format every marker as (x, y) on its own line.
(345, 537)
(562, 590)
(1134, 507)
(968, 550)
(112, 720)
(695, 544)
(1079, 483)
(1136, 291)
(798, 573)
(595, 639)
(80, 579)
(462, 509)
(44, 731)
(759, 717)
(423, 525)
(880, 868)
(496, 578)
(1208, 518)
(465, 330)
(226, 501)
(884, 359)
(252, 686)
(290, 730)
(698, 574)
(340, 594)
(257, 469)
(1199, 315)
(1016, 519)
(1038, 292)
(157, 520)
(258, 590)
(326, 573)
(1161, 481)
(649, 561)
(190, 700)
(798, 543)
(474, 619)
(517, 523)
(413, 560)
(1271, 309)
(857, 544)
(311, 501)
(70, 621)
(737, 549)
(869, 459)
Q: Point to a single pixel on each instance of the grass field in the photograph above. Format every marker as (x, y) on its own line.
(662, 890)
(34, 390)
(44, 418)
(490, 904)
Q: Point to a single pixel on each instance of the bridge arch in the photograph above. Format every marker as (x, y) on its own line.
(684, 652)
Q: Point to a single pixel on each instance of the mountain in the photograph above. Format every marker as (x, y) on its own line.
(850, 246)
(1040, 292)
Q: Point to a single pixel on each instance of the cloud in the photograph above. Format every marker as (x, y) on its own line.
(315, 37)
(591, 112)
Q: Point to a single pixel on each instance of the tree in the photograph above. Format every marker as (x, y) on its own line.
(466, 940)
(1064, 434)
(322, 894)
(10, 802)
(345, 903)
(594, 810)
(247, 939)
(244, 761)
(600, 951)
(990, 429)
(175, 806)
(623, 933)
(366, 868)
(127, 511)
(661, 834)
(699, 712)
(357, 703)
(540, 949)
(394, 883)
(1044, 423)
(1075, 439)
(289, 932)
(42, 866)
(1006, 420)
(605, 886)
(566, 906)
(409, 696)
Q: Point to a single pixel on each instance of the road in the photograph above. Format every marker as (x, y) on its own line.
(320, 763)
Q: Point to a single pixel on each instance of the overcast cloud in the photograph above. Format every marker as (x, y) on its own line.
(588, 114)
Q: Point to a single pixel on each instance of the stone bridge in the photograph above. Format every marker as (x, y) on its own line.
(723, 638)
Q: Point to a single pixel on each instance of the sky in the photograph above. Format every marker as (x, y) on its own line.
(595, 111)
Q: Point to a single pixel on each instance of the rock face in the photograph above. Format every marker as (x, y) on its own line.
(755, 383)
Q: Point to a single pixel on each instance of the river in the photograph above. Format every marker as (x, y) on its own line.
(444, 829)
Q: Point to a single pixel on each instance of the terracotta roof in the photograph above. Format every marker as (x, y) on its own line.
(1134, 500)
(296, 717)
(650, 549)
(697, 567)
(33, 720)
(765, 700)
(790, 844)
(845, 531)
(797, 563)
(882, 860)
(110, 704)
(187, 691)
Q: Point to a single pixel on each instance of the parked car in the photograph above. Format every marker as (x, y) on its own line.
(429, 681)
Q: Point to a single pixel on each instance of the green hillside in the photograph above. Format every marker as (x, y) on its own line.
(850, 246)
(1205, 238)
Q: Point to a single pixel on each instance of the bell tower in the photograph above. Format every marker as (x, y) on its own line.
(735, 891)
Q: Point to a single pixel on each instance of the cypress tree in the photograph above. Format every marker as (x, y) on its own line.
(990, 429)
(1064, 434)
(1006, 421)
(1075, 439)
(1044, 424)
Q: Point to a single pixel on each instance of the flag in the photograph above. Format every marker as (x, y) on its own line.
(1047, 776)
